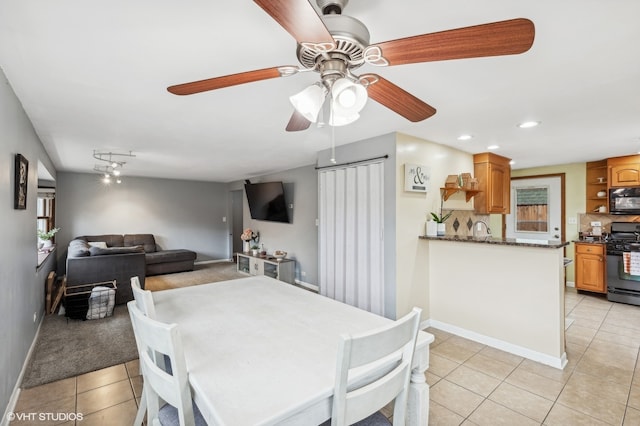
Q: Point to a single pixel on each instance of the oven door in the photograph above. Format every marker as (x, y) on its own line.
(621, 287)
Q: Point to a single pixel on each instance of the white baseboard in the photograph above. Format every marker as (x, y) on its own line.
(13, 399)
(556, 362)
(204, 262)
(570, 284)
(308, 286)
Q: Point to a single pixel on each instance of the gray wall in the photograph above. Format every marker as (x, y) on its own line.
(179, 213)
(299, 238)
(362, 150)
(21, 285)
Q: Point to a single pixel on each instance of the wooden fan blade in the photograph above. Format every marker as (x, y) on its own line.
(498, 38)
(297, 122)
(299, 18)
(224, 81)
(399, 100)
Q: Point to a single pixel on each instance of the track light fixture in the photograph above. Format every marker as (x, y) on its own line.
(112, 169)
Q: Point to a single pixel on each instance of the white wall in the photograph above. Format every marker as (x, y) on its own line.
(412, 276)
(179, 213)
(21, 285)
(300, 237)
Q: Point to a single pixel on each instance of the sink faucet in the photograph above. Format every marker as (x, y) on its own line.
(478, 225)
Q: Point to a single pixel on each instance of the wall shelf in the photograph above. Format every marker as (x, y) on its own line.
(448, 192)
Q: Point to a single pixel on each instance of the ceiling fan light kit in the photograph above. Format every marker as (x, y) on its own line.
(334, 45)
(309, 101)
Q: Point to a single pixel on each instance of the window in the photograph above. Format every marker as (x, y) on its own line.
(46, 208)
(532, 209)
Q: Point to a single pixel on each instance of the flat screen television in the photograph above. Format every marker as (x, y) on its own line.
(266, 201)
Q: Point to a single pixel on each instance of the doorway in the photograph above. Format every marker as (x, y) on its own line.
(537, 208)
(236, 222)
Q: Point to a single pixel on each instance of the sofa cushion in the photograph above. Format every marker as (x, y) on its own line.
(145, 240)
(112, 240)
(78, 248)
(97, 251)
(165, 256)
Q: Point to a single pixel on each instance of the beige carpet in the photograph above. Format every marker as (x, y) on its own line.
(202, 274)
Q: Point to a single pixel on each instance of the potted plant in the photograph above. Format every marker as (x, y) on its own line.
(439, 220)
(46, 237)
(255, 249)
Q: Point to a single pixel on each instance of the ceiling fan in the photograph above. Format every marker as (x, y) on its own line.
(335, 44)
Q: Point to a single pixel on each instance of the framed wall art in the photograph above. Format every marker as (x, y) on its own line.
(416, 178)
(22, 174)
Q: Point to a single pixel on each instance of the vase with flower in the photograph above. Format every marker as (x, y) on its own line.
(248, 237)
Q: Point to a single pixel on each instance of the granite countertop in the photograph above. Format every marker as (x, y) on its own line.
(589, 241)
(517, 242)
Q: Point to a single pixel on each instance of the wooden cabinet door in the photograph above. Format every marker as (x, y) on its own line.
(590, 268)
(625, 175)
(499, 180)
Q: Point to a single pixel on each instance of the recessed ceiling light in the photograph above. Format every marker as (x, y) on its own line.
(465, 137)
(528, 124)
(492, 147)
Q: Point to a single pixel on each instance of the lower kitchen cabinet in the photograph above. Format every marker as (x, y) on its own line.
(591, 267)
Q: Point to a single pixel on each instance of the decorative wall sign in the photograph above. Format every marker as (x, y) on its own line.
(416, 177)
(20, 191)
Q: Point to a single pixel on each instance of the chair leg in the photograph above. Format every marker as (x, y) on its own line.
(142, 409)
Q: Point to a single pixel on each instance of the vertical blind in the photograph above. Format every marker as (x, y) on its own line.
(351, 235)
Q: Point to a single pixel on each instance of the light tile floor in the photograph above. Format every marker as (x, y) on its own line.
(471, 384)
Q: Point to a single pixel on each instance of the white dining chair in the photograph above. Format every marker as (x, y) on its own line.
(373, 369)
(160, 386)
(144, 302)
(143, 298)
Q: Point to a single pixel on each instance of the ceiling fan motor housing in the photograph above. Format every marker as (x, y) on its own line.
(351, 37)
(331, 6)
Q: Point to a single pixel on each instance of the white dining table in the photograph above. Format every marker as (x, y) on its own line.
(263, 352)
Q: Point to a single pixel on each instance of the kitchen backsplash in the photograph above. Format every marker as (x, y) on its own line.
(605, 219)
(461, 223)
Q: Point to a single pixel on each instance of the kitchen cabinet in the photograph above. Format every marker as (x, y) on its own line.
(624, 171)
(596, 181)
(283, 270)
(494, 183)
(591, 267)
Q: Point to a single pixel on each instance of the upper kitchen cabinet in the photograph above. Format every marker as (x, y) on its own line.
(494, 183)
(624, 171)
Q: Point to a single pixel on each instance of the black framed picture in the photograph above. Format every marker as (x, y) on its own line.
(22, 174)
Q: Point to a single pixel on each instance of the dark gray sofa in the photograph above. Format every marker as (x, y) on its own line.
(124, 256)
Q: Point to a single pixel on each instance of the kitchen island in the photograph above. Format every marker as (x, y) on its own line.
(505, 293)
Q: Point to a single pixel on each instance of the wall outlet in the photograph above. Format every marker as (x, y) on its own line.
(224, 218)
(35, 316)
(303, 273)
(596, 223)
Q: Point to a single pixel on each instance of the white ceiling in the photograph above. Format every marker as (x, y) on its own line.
(93, 76)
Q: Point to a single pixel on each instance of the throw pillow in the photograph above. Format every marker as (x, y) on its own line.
(99, 244)
(78, 248)
(97, 251)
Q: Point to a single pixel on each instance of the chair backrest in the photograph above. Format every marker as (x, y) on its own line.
(152, 337)
(373, 368)
(143, 298)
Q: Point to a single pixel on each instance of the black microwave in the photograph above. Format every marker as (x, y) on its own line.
(624, 200)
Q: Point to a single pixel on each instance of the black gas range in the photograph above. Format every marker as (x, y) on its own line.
(625, 236)
(622, 286)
